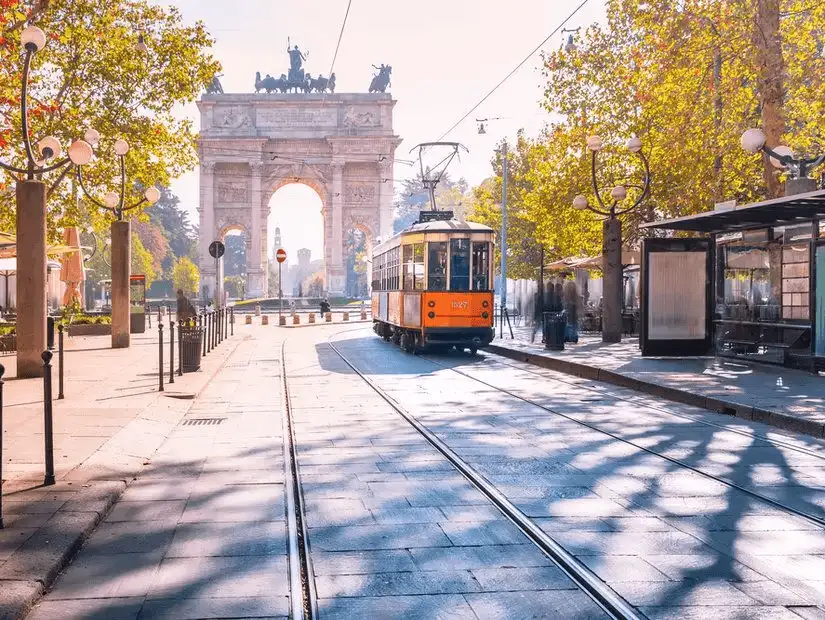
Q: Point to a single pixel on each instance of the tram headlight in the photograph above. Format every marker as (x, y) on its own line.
(431, 304)
(431, 314)
(484, 304)
(485, 315)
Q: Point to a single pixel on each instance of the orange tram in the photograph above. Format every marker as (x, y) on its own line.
(432, 285)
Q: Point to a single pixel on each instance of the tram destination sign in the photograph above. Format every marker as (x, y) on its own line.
(435, 216)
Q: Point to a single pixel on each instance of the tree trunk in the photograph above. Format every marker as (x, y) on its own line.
(770, 83)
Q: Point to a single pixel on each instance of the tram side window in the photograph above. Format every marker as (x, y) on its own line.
(437, 266)
(407, 264)
(382, 272)
(418, 266)
(459, 264)
(395, 256)
(481, 266)
(376, 273)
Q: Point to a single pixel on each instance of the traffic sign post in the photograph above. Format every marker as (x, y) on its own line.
(280, 256)
(216, 251)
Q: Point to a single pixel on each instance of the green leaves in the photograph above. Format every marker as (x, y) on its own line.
(92, 74)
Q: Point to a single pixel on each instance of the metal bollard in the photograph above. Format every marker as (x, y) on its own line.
(48, 419)
(172, 351)
(202, 329)
(50, 332)
(180, 346)
(227, 318)
(232, 320)
(160, 357)
(220, 325)
(60, 362)
(149, 316)
(2, 372)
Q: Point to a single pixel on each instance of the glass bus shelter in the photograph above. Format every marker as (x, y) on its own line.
(746, 282)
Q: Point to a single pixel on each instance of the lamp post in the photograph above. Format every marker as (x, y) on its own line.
(121, 248)
(612, 236)
(784, 158)
(30, 218)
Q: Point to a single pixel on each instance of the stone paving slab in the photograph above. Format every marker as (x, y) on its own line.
(784, 398)
(671, 541)
(106, 429)
(401, 544)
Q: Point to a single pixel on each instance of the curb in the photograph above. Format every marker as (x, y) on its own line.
(52, 547)
(718, 405)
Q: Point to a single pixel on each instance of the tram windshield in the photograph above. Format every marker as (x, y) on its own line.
(437, 266)
(459, 264)
(481, 266)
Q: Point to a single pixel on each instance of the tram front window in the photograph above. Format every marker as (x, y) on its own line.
(481, 266)
(437, 266)
(460, 265)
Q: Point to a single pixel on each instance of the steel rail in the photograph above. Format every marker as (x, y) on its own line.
(604, 596)
(684, 416)
(303, 597)
(775, 503)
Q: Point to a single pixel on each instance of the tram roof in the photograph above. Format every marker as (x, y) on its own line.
(438, 226)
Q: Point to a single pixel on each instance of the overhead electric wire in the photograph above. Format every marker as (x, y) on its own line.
(340, 36)
(517, 67)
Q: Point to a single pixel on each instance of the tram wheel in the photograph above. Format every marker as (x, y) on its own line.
(473, 351)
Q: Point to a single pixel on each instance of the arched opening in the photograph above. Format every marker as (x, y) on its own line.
(237, 242)
(356, 260)
(296, 224)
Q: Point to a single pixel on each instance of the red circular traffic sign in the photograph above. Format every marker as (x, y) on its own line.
(280, 255)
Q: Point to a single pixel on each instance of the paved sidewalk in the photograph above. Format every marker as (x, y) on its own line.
(201, 532)
(789, 399)
(112, 420)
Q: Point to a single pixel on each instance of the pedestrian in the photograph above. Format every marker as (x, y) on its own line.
(186, 310)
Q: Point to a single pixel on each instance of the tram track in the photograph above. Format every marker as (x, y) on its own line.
(601, 593)
(303, 596)
(816, 520)
(752, 435)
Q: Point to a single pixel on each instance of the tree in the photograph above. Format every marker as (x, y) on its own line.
(91, 73)
(234, 260)
(449, 194)
(234, 286)
(186, 276)
(142, 260)
(181, 236)
(152, 238)
(313, 286)
(688, 78)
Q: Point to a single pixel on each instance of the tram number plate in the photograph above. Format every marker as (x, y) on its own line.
(460, 305)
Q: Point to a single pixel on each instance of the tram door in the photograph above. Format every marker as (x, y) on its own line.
(676, 297)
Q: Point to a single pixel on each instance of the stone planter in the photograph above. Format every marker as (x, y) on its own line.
(101, 329)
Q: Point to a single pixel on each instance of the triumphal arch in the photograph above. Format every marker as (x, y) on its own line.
(341, 145)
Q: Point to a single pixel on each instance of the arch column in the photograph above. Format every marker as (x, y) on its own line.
(385, 196)
(207, 224)
(256, 275)
(336, 273)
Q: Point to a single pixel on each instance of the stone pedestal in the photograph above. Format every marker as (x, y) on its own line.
(31, 278)
(612, 281)
(121, 269)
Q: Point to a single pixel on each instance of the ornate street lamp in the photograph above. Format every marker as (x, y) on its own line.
(30, 217)
(612, 236)
(115, 202)
(784, 158)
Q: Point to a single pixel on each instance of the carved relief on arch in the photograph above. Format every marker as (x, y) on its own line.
(305, 174)
(365, 222)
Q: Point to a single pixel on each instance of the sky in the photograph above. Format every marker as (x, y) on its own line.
(446, 55)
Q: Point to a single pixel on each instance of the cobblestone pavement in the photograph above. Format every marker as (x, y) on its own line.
(201, 533)
(669, 540)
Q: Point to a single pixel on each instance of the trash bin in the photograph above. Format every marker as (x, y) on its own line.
(554, 326)
(191, 344)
